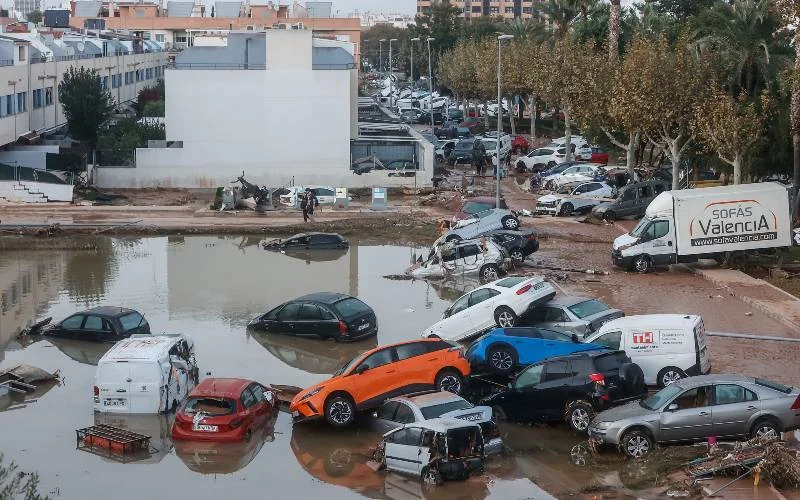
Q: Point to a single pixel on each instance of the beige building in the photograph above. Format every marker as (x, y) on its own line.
(508, 9)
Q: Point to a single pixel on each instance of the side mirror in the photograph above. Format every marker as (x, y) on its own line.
(361, 369)
(672, 407)
(575, 339)
(446, 313)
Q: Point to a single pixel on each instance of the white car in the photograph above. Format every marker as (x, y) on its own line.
(578, 199)
(463, 257)
(443, 148)
(583, 172)
(325, 194)
(490, 143)
(548, 157)
(497, 304)
(576, 140)
(481, 223)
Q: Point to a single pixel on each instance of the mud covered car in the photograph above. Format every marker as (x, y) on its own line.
(485, 258)
(433, 450)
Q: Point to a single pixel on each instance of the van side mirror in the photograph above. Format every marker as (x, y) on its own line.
(361, 369)
(672, 407)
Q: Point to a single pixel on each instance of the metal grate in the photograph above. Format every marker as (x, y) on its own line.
(114, 443)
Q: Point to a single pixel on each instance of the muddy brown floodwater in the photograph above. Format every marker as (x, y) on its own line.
(210, 287)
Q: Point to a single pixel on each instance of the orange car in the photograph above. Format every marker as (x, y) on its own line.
(381, 373)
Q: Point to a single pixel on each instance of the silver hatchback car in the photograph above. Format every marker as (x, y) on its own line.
(697, 408)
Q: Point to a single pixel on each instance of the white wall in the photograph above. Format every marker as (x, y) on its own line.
(35, 192)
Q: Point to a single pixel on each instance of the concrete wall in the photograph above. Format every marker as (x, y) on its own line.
(34, 192)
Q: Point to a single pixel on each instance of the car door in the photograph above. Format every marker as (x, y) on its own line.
(549, 317)
(250, 407)
(286, 319)
(482, 304)
(308, 320)
(660, 236)
(470, 257)
(378, 381)
(627, 202)
(551, 393)
(644, 195)
(98, 329)
(384, 417)
(733, 407)
(689, 416)
(556, 343)
(457, 319)
(521, 402)
(415, 366)
(404, 452)
(296, 243)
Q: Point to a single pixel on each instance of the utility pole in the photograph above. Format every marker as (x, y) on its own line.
(500, 39)
(430, 82)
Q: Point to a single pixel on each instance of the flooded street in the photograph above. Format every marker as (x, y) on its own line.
(209, 288)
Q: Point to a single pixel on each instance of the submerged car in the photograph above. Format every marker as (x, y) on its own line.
(433, 450)
(723, 406)
(224, 409)
(100, 324)
(325, 314)
(307, 241)
(499, 303)
(580, 198)
(422, 406)
(580, 315)
(504, 350)
(485, 258)
(369, 379)
(571, 388)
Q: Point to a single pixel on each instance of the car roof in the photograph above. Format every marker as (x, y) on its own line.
(221, 387)
(324, 297)
(109, 311)
(566, 300)
(429, 398)
(374, 349)
(443, 424)
(313, 234)
(654, 321)
(717, 378)
(147, 347)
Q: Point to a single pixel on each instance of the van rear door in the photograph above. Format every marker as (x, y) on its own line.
(147, 380)
(701, 348)
(113, 381)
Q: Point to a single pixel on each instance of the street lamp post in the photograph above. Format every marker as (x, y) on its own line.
(380, 55)
(500, 39)
(430, 82)
(412, 61)
(391, 86)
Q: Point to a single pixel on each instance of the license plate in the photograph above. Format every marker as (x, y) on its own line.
(205, 428)
(471, 417)
(363, 327)
(114, 402)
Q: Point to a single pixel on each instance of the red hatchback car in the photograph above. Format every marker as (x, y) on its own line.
(224, 409)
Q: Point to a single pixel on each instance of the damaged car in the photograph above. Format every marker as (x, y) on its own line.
(481, 223)
(578, 198)
(482, 257)
(307, 241)
(434, 450)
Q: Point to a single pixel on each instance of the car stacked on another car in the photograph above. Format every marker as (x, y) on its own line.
(579, 198)
(581, 172)
(519, 244)
(481, 223)
(579, 315)
(457, 257)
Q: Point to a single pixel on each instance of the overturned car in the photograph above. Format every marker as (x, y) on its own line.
(481, 256)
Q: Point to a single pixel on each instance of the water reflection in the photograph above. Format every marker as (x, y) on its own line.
(89, 271)
(453, 287)
(87, 353)
(311, 355)
(156, 426)
(208, 457)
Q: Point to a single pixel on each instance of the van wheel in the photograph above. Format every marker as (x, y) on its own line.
(567, 209)
(490, 272)
(579, 414)
(669, 375)
(642, 264)
(505, 317)
(339, 411)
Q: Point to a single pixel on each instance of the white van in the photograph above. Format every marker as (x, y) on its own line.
(145, 374)
(667, 347)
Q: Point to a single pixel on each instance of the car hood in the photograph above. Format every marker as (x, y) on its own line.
(549, 198)
(628, 410)
(321, 385)
(624, 239)
(474, 414)
(603, 207)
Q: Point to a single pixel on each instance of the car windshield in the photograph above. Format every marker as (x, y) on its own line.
(351, 307)
(559, 168)
(440, 409)
(473, 207)
(346, 366)
(210, 406)
(464, 145)
(658, 399)
(640, 227)
(587, 308)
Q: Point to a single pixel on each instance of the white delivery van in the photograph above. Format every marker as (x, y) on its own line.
(145, 374)
(667, 347)
(713, 222)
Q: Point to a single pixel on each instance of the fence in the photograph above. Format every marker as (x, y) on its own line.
(115, 157)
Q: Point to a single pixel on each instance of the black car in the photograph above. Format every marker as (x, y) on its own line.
(325, 314)
(462, 152)
(519, 244)
(100, 324)
(571, 388)
(308, 241)
(438, 118)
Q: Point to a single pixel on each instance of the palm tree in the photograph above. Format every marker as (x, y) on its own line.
(613, 31)
(523, 29)
(560, 14)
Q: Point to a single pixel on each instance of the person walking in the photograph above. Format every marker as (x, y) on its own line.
(313, 202)
(304, 205)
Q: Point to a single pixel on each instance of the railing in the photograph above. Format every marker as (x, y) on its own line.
(219, 66)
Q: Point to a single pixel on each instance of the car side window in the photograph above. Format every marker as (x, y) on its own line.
(404, 414)
(408, 437)
(694, 398)
(460, 305)
(73, 322)
(530, 333)
(325, 314)
(479, 296)
(538, 314)
(554, 314)
(290, 312)
(258, 392)
(248, 398)
(469, 251)
(530, 377)
(660, 228)
(730, 393)
(645, 192)
(448, 255)
(93, 323)
(324, 192)
(553, 335)
(309, 312)
(628, 195)
(556, 370)
(386, 410)
(610, 339)
(410, 350)
(131, 321)
(380, 358)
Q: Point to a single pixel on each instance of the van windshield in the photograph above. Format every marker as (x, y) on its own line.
(210, 406)
(640, 227)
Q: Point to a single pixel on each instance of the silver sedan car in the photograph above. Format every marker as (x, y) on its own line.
(696, 408)
(578, 315)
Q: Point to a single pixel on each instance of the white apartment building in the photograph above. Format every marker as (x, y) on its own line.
(32, 65)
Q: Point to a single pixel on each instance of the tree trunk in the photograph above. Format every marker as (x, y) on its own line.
(512, 115)
(675, 154)
(534, 108)
(737, 169)
(794, 115)
(567, 135)
(486, 115)
(555, 118)
(613, 31)
(630, 154)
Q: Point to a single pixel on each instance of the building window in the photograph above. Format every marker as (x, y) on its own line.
(22, 98)
(21, 53)
(527, 10)
(3, 110)
(38, 94)
(159, 38)
(48, 96)
(509, 10)
(494, 10)
(10, 104)
(180, 38)
(476, 9)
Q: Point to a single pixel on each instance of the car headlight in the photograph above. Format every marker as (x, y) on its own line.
(311, 393)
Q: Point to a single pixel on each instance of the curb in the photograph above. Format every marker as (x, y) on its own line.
(753, 303)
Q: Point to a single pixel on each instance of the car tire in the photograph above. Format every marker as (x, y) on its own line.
(431, 478)
(609, 216)
(567, 209)
(489, 272)
(521, 168)
(632, 378)
(669, 375)
(766, 428)
(636, 443)
(340, 410)
(450, 381)
(642, 264)
(578, 415)
(505, 317)
(453, 237)
(517, 255)
(510, 222)
(502, 359)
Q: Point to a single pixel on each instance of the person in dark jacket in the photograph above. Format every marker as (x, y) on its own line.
(478, 156)
(313, 202)
(304, 199)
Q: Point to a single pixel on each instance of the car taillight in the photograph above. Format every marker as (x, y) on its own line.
(524, 289)
(342, 327)
(796, 405)
(236, 422)
(598, 378)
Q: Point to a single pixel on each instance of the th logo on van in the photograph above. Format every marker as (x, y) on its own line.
(643, 338)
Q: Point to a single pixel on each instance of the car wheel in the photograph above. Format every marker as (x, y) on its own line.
(505, 317)
(490, 272)
(642, 264)
(510, 222)
(431, 477)
(609, 216)
(636, 443)
(521, 167)
(499, 414)
(502, 359)
(453, 237)
(517, 255)
(339, 411)
(579, 414)
(450, 381)
(766, 429)
(669, 375)
(567, 209)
